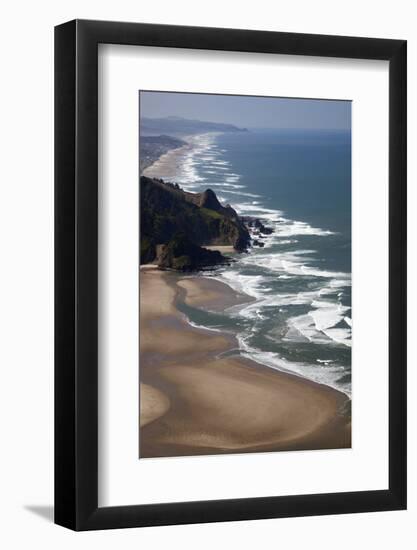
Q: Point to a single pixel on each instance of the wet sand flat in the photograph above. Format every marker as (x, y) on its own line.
(200, 396)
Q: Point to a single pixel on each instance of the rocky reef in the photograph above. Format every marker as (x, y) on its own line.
(257, 226)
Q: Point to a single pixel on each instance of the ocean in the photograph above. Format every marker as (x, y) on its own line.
(299, 184)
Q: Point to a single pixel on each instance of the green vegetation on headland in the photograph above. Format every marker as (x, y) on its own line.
(183, 255)
(176, 225)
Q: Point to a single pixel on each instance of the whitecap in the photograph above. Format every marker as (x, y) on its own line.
(329, 375)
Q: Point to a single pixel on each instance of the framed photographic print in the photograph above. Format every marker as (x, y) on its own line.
(230, 275)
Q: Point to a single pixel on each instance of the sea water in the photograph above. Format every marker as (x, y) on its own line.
(299, 184)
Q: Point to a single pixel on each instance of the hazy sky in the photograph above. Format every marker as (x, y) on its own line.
(250, 112)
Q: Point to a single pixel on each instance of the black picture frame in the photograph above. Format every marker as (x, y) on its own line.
(76, 272)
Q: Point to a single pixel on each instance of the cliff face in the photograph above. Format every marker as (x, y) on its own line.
(183, 255)
(168, 212)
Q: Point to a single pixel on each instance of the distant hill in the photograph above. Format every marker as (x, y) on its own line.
(176, 225)
(178, 126)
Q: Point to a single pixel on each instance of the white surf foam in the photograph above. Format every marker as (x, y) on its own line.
(326, 322)
(319, 324)
(246, 284)
(329, 375)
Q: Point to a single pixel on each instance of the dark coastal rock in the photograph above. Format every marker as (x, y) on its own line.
(167, 210)
(256, 223)
(208, 199)
(256, 242)
(266, 230)
(182, 254)
(262, 228)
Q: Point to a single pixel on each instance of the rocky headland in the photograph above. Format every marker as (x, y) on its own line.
(176, 226)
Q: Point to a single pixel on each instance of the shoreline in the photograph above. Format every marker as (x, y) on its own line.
(210, 294)
(167, 164)
(199, 395)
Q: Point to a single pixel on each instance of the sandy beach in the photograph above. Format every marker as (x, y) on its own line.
(172, 162)
(200, 396)
(209, 294)
(167, 164)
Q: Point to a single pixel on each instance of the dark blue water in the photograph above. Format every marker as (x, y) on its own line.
(306, 174)
(299, 184)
